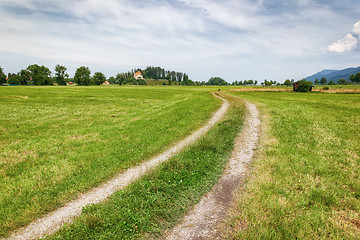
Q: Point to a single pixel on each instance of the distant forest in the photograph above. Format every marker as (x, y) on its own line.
(155, 73)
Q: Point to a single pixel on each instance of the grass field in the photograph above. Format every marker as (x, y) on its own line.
(305, 182)
(56, 142)
(156, 202)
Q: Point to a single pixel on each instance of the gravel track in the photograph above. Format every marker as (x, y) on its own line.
(53, 221)
(202, 221)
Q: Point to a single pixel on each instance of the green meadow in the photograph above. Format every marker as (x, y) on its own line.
(57, 142)
(305, 181)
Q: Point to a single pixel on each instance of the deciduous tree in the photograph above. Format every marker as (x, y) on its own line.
(98, 78)
(82, 76)
(323, 81)
(341, 81)
(2, 76)
(39, 75)
(355, 78)
(25, 76)
(14, 79)
(216, 81)
(287, 82)
(61, 74)
(111, 80)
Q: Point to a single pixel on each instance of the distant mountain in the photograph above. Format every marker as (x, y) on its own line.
(334, 75)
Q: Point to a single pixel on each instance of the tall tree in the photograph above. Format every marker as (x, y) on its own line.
(179, 76)
(173, 76)
(82, 76)
(2, 76)
(14, 79)
(61, 74)
(341, 81)
(25, 76)
(355, 78)
(317, 81)
(98, 78)
(120, 78)
(39, 75)
(323, 81)
(287, 82)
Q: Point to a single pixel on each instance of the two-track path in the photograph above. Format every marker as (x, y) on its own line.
(202, 221)
(54, 220)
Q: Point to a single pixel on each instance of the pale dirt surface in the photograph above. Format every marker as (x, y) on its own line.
(202, 221)
(53, 221)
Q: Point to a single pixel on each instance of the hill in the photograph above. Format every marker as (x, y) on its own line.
(334, 75)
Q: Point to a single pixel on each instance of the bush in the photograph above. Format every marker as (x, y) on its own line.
(325, 88)
(304, 86)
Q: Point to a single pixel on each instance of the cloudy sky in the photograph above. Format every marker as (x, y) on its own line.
(233, 39)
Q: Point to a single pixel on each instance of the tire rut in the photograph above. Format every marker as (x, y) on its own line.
(202, 221)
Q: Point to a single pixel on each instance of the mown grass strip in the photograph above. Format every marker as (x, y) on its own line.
(58, 141)
(306, 180)
(155, 203)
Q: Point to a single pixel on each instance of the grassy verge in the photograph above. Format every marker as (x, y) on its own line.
(156, 202)
(58, 141)
(306, 181)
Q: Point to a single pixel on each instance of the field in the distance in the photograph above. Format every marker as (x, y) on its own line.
(56, 142)
(305, 183)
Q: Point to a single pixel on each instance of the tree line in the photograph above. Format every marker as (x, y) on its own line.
(40, 75)
(160, 73)
(354, 78)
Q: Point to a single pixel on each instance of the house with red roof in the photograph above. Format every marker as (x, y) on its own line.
(138, 75)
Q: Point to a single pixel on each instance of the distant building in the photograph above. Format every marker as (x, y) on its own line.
(106, 83)
(138, 75)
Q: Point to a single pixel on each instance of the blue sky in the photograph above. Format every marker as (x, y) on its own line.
(233, 39)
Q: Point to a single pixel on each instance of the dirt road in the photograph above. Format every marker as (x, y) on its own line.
(202, 221)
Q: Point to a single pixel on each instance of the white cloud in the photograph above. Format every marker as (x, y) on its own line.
(347, 43)
(356, 28)
(344, 45)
